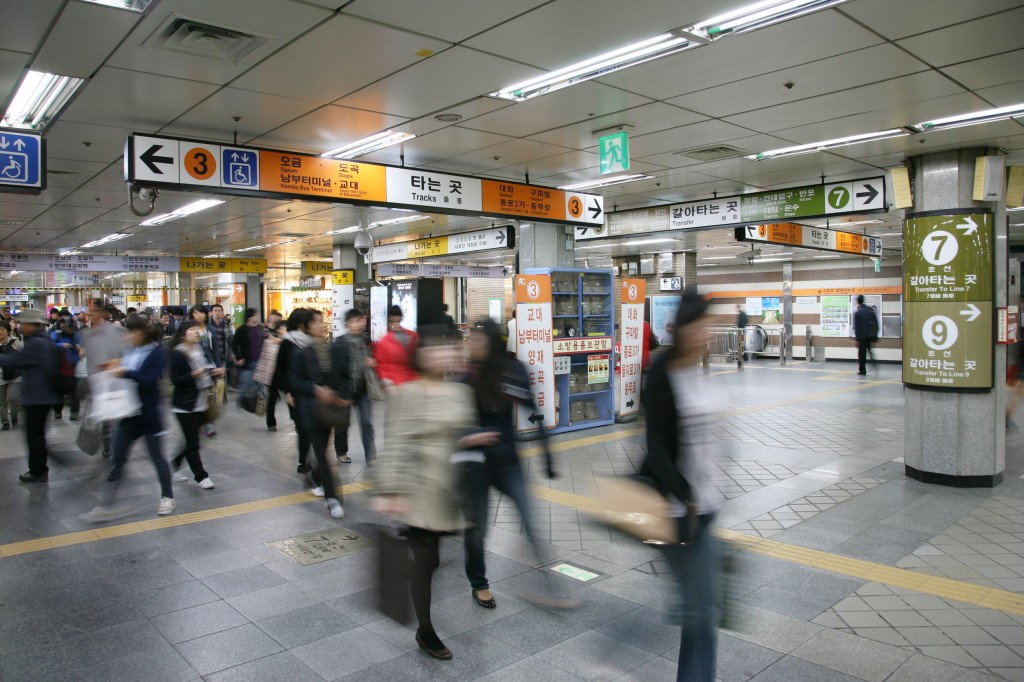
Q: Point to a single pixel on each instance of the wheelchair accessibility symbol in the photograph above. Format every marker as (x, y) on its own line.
(240, 174)
(240, 167)
(14, 166)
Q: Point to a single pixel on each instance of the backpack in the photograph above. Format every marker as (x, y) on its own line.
(872, 326)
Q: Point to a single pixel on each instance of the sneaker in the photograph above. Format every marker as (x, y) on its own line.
(181, 478)
(271, 428)
(75, 418)
(206, 483)
(318, 491)
(167, 505)
(29, 477)
(6, 426)
(58, 415)
(334, 507)
(101, 514)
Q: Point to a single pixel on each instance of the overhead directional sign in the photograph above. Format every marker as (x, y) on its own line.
(810, 201)
(820, 238)
(22, 162)
(465, 242)
(948, 295)
(442, 270)
(182, 164)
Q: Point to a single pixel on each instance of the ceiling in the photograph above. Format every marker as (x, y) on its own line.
(331, 72)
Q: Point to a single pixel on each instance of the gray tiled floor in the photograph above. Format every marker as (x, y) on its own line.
(211, 601)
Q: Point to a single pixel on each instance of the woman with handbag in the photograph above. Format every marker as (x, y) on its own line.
(679, 403)
(192, 377)
(309, 370)
(199, 315)
(428, 420)
(143, 364)
(10, 379)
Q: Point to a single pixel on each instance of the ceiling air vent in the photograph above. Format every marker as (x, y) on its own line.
(713, 153)
(54, 173)
(295, 235)
(206, 40)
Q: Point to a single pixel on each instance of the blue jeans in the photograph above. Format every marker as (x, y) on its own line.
(696, 568)
(244, 379)
(506, 475)
(363, 404)
(129, 431)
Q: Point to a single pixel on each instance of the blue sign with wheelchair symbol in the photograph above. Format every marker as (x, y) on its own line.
(21, 160)
(240, 168)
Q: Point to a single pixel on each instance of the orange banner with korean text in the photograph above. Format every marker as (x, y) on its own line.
(631, 324)
(533, 328)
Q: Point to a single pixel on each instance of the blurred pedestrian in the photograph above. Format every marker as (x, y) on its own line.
(209, 346)
(103, 342)
(38, 359)
(282, 383)
(865, 330)
(679, 463)
(741, 324)
(428, 420)
(192, 376)
(351, 359)
(394, 352)
(10, 379)
(69, 343)
(247, 345)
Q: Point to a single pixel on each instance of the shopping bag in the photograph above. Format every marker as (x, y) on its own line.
(637, 509)
(374, 387)
(90, 436)
(213, 405)
(113, 398)
(394, 567)
(261, 400)
(332, 416)
(247, 398)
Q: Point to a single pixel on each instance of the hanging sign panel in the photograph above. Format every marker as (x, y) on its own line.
(810, 201)
(819, 238)
(533, 315)
(466, 242)
(155, 160)
(87, 263)
(22, 162)
(439, 270)
(631, 345)
(948, 301)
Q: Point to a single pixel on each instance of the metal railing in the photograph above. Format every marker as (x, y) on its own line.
(730, 345)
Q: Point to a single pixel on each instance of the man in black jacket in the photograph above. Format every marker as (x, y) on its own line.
(865, 330)
(40, 362)
(350, 360)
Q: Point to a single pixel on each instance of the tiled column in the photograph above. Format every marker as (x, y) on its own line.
(543, 245)
(958, 438)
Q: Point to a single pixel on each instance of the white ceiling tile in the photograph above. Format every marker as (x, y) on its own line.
(96, 198)
(984, 73)
(49, 196)
(646, 118)
(130, 99)
(19, 211)
(682, 138)
(909, 17)
(33, 18)
(563, 32)
(971, 40)
(281, 20)
(578, 103)
(326, 128)
(834, 74)
(259, 113)
(330, 61)
(498, 156)
(12, 66)
(71, 172)
(1004, 95)
(552, 165)
(65, 217)
(747, 171)
(442, 144)
(64, 51)
(67, 140)
(452, 20)
(110, 179)
(888, 94)
(820, 35)
(455, 75)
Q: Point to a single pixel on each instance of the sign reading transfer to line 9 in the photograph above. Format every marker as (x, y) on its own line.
(947, 287)
(158, 161)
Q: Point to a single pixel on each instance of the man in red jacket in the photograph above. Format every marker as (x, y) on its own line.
(395, 351)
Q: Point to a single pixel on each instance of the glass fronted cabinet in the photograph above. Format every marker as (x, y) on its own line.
(583, 324)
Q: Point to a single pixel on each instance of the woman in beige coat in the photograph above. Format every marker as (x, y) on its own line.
(428, 420)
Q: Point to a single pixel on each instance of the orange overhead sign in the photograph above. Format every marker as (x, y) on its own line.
(782, 233)
(537, 202)
(314, 175)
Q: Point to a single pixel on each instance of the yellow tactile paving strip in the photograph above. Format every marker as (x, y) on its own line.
(978, 595)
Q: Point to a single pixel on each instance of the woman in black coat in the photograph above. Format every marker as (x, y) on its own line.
(192, 375)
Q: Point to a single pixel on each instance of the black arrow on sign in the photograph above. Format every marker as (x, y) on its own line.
(595, 210)
(630, 403)
(534, 418)
(150, 158)
(501, 237)
(869, 195)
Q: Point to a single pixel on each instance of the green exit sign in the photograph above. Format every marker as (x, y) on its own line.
(614, 152)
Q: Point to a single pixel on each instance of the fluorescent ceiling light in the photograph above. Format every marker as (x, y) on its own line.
(606, 182)
(1018, 208)
(601, 65)
(266, 246)
(344, 230)
(396, 221)
(637, 242)
(861, 222)
(986, 116)
(133, 5)
(758, 15)
(367, 145)
(106, 240)
(828, 144)
(818, 257)
(186, 210)
(771, 260)
(889, 234)
(39, 99)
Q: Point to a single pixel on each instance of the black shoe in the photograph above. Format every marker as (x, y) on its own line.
(436, 648)
(28, 477)
(271, 428)
(14, 422)
(75, 418)
(58, 415)
(486, 603)
(6, 426)
(303, 469)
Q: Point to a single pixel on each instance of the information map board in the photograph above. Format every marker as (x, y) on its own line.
(947, 309)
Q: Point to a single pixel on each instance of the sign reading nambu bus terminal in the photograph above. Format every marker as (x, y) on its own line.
(947, 309)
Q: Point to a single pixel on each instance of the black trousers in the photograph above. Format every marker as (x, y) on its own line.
(272, 395)
(303, 440)
(863, 350)
(68, 387)
(35, 436)
(425, 545)
(190, 424)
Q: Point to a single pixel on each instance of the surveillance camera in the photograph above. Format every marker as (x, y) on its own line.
(363, 243)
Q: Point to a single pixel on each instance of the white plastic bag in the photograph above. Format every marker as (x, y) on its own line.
(113, 397)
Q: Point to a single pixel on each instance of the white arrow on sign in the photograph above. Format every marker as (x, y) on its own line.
(970, 227)
(973, 311)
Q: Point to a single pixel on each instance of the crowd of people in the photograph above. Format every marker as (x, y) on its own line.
(449, 424)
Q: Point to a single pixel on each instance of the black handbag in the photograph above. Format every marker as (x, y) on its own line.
(332, 416)
(394, 568)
